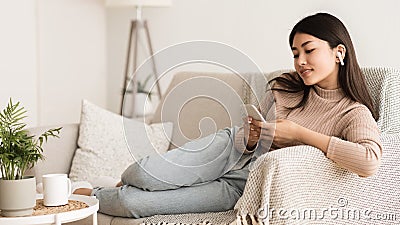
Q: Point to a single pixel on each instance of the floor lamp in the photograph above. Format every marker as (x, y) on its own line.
(136, 26)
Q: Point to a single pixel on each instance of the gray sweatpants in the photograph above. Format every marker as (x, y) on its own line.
(197, 177)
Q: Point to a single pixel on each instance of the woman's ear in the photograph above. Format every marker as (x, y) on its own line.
(342, 49)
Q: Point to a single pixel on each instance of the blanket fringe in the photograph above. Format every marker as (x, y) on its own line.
(241, 219)
(257, 220)
(238, 220)
(248, 219)
(202, 223)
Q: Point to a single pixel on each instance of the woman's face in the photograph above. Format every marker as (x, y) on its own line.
(315, 61)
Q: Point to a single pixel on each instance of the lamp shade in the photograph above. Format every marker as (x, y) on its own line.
(141, 3)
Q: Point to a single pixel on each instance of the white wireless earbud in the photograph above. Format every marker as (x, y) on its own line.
(339, 55)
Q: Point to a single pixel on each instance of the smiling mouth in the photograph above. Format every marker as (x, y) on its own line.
(305, 72)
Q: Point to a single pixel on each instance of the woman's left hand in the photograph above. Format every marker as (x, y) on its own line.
(285, 134)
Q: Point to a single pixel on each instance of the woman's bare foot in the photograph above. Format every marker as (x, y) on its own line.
(83, 191)
(119, 184)
(88, 191)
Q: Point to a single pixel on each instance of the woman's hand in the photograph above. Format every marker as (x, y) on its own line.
(251, 132)
(282, 132)
(286, 133)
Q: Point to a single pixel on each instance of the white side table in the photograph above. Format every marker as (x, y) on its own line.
(59, 218)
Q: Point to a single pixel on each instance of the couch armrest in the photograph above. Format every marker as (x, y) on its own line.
(303, 178)
(58, 152)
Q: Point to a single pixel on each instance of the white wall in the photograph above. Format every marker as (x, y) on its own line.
(259, 28)
(52, 55)
(72, 58)
(55, 52)
(18, 65)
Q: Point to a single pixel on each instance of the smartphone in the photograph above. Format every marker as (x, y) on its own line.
(252, 111)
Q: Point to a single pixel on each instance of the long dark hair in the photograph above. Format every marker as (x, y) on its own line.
(330, 29)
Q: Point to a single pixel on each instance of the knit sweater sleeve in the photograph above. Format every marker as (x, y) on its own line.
(267, 111)
(359, 149)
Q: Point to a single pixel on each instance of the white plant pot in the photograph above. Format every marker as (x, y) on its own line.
(127, 105)
(143, 105)
(17, 197)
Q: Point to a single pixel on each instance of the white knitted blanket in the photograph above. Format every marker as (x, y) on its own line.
(299, 185)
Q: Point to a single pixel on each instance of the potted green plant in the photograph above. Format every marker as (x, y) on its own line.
(19, 151)
(142, 87)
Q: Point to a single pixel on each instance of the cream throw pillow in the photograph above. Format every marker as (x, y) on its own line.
(108, 143)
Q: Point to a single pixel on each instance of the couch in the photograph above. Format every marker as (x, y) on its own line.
(200, 103)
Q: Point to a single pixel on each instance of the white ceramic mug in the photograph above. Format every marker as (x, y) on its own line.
(56, 189)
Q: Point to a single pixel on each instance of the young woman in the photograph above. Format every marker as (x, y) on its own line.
(325, 104)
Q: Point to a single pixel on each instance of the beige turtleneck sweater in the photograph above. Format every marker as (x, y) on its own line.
(354, 144)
